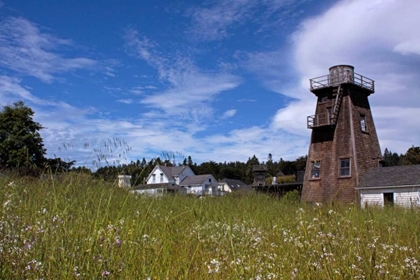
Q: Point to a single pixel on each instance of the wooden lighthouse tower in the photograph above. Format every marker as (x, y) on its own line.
(344, 143)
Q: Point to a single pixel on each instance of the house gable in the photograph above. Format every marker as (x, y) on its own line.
(169, 174)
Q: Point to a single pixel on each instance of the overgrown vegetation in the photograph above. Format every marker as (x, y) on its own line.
(78, 227)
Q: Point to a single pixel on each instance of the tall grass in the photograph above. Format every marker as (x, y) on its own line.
(80, 228)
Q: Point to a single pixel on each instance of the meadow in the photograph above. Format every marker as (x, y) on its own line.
(81, 228)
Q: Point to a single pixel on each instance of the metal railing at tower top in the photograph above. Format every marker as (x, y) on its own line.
(335, 80)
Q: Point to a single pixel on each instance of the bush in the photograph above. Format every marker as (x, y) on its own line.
(291, 197)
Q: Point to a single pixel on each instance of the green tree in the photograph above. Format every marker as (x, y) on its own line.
(412, 156)
(391, 159)
(21, 145)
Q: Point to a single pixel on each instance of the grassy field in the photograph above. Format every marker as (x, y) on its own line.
(80, 228)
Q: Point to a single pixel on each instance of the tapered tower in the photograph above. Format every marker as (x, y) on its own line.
(344, 143)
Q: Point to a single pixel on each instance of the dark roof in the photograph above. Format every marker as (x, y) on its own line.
(235, 184)
(172, 170)
(393, 176)
(194, 180)
(280, 173)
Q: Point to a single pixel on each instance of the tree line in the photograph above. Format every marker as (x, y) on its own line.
(22, 150)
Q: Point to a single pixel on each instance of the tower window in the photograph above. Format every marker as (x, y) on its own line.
(315, 169)
(345, 167)
(363, 126)
(329, 115)
(323, 99)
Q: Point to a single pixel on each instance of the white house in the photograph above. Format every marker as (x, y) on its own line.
(232, 185)
(395, 185)
(168, 174)
(180, 179)
(200, 185)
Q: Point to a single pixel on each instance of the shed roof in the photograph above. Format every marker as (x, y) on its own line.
(393, 176)
(195, 180)
(235, 184)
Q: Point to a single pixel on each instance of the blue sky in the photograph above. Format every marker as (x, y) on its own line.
(216, 80)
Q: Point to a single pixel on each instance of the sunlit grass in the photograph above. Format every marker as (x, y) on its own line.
(79, 228)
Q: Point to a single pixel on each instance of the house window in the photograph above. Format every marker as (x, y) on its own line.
(363, 123)
(345, 167)
(209, 180)
(315, 169)
(154, 178)
(388, 199)
(161, 177)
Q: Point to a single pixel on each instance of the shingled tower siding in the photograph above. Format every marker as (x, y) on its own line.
(344, 143)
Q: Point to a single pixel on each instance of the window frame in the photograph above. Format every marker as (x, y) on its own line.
(323, 99)
(363, 123)
(342, 168)
(315, 171)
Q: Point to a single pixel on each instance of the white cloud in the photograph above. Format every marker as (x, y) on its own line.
(189, 90)
(239, 144)
(125, 101)
(10, 90)
(378, 38)
(29, 51)
(408, 47)
(228, 114)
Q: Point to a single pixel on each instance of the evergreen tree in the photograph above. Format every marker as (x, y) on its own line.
(412, 156)
(21, 145)
(391, 159)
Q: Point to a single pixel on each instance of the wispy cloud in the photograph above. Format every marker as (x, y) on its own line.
(125, 101)
(188, 87)
(219, 19)
(29, 51)
(11, 90)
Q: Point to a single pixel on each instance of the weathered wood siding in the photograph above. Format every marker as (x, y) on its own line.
(405, 197)
(344, 141)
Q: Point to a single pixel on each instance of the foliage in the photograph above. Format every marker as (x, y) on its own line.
(286, 179)
(390, 158)
(291, 197)
(57, 165)
(21, 145)
(82, 228)
(412, 156)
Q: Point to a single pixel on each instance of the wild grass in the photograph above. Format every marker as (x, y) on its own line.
(80, 228)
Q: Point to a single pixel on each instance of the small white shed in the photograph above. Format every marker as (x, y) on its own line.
(395, 185)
